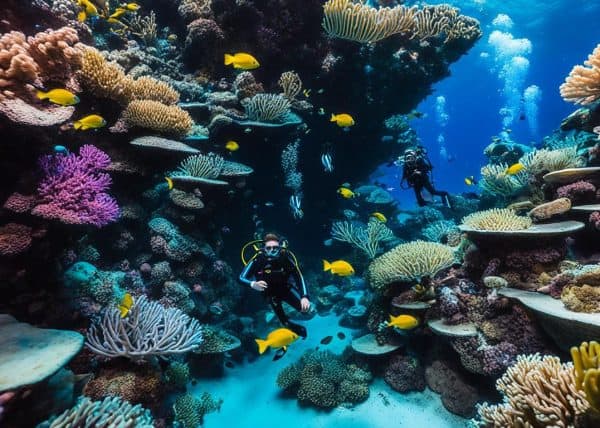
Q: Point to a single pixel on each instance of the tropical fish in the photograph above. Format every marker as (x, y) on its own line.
(306, 93)
(343, 120)
(338, 267)
(88, 9)
(115, 21)
(326, 340)
(61, 150)
(232, 146)
(92, 121)
(119, 12)
(341, 335)
(172, 38)
(321, 111)
(379, 216)
(470, 180)
(327, 162)
(278, 339)
(62, 97)
(403, 322)
(134, 7)
(346, 193)
(242, 61)
(125, 305)
(515, 168)
(169, 181)
(296, 206)
(269, 204)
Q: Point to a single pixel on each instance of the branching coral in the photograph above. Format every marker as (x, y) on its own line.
(267, 107)
(409, 262)
(582, 86)
(583, 298)
(496, 182)
(367, 238)
(110, 412)
(73, 188)
(157, 117)
(542, 161)
(149, 329)
(496, 219)
(538, 392)
(586, 361)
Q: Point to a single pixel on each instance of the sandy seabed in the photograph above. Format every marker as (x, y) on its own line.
(251, 397)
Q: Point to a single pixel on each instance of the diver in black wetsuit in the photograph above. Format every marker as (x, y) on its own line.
(274, 271)
(417, 168)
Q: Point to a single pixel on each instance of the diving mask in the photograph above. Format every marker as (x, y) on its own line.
(272, 250)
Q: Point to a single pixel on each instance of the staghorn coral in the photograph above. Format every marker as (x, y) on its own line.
(409, 262)
(538, 392)
(110, 412)
(583, 298)
(267, 107)
(149, 329)
(367, 238)
(586, 362)
(359, 22)
(496, 219)
(582, 86)
(157, 117)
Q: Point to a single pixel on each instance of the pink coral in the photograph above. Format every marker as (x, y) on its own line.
(19, 203)
(14, 239)
(580, 191)
(595, 220)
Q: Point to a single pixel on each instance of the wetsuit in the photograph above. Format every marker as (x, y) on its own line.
(284, 284)
(416, 174)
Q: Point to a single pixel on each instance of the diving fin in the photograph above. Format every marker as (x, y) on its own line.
(280, 353)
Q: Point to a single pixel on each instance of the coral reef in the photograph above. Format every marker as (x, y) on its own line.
(323, 379)
(189, 411)
(583, 298)
(405, 374)
(154, 115)
(367, 238)
(496, 219)
(582, 86)
(585, 366)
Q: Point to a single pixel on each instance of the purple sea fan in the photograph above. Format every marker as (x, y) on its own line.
(73, 188)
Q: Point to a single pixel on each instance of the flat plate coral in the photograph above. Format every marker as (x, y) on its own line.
(535, 231)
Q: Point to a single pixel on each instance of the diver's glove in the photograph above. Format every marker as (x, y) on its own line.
(258, 285)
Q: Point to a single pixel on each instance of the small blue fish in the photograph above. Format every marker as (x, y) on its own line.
(61, 150)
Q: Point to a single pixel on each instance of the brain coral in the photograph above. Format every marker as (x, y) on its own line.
(409, 262)
(496, 219)
(157, 117)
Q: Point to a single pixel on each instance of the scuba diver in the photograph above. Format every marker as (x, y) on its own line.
(416, 173)
(274, 271)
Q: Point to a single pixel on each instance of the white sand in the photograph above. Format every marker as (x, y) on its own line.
(252, 398)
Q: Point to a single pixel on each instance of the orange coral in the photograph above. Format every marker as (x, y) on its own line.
(582, 86)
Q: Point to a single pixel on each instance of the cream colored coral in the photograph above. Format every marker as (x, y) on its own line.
(583, 298)
(359, 22)
(542, 161)
(108, 80)
(157, 117)
(409, 262)
(582, 86)
(538, 392)
(496, 219)
(291, 84)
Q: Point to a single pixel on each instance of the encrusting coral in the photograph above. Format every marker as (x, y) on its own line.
(409, 262)
(538, 392)
(583, 298)
(496, 219)
(582, 86)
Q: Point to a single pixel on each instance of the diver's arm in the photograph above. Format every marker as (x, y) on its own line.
(247, 275)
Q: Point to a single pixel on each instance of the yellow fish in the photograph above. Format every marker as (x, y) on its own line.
(339, 267)
(169, 181)
(232, 146)
(404, 322)
(134, 7)
(125, 305)
(278, 339)
(115, 21)
(92, 121)
(89, 9)
(515, 168)
(306, 93)
(119, 12)
(242, 61)
(62, 97)
(470, 181)
(172, 38)
(379, 217)
(343, 120)
(346, 193)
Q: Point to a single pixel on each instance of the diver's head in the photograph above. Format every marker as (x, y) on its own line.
(272, 245)
(410, 156)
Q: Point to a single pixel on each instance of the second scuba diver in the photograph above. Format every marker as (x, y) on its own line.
(274, 271)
